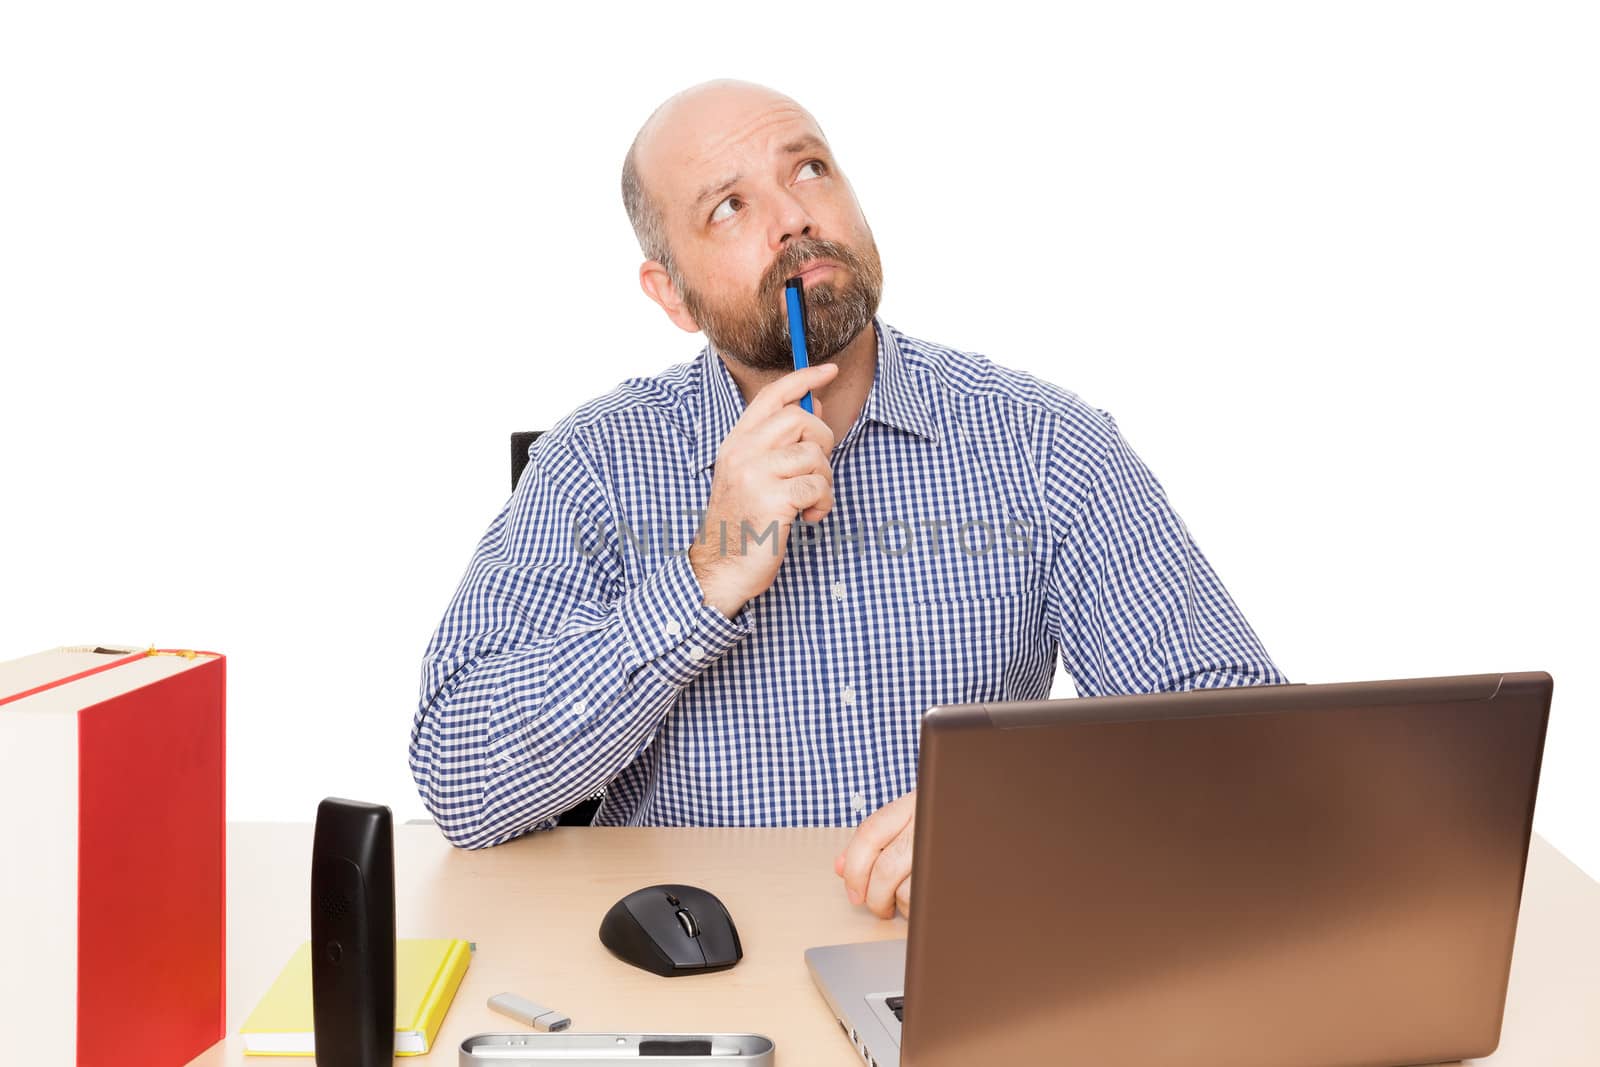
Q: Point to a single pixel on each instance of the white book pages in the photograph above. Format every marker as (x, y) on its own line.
(41, 668)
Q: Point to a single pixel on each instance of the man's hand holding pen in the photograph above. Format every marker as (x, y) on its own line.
(772, 466)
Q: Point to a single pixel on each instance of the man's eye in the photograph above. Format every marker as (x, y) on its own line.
(717, 214)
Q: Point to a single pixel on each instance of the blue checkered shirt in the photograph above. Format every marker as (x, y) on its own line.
(984, 521)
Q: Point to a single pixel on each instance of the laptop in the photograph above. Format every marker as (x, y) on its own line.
(1292, 875)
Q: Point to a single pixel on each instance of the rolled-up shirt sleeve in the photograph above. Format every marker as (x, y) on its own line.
(1137, 607)
(548, 675)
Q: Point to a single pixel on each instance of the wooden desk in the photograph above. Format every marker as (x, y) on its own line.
(534, 907)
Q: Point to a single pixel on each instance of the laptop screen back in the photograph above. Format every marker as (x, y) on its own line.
(1284, 875)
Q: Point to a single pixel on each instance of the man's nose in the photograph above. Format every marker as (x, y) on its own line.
(794, 221)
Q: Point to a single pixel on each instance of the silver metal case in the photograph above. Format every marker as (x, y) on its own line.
(584, 1050)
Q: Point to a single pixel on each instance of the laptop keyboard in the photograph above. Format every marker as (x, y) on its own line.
(898, 1006)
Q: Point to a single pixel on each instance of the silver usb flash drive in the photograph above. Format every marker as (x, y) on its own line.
(528, 1013)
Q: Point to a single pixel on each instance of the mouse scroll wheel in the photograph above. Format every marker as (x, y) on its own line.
(687, 922)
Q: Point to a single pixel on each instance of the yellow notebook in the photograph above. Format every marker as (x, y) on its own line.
(427, 973)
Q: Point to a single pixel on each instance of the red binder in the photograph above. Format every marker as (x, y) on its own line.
(112, 788)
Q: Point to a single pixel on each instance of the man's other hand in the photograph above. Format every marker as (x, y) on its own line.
(876, 864)
(772, 465)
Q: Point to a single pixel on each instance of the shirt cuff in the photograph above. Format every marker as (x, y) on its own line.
(671, 627)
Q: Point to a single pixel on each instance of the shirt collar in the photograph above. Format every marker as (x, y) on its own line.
(892, 401)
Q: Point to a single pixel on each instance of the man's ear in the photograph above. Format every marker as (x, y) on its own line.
(657, 285)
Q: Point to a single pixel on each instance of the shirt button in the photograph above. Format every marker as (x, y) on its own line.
(858, 803)
(580, 708)
(849, 695)
(697, 653)
(838, 590)
(673, 628)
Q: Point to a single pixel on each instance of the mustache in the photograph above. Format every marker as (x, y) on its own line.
(794, 259)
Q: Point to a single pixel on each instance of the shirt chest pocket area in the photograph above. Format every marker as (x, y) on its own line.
(974, 649)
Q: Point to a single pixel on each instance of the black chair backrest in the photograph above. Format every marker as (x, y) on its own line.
(581, 814)
(519, 453)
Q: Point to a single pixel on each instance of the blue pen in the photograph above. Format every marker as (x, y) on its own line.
(795, 293)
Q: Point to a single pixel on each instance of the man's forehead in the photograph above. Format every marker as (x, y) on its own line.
(705, 139)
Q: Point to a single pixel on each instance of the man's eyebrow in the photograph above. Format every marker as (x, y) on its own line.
(803, 143)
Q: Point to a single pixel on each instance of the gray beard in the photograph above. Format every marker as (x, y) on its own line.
(836, 310)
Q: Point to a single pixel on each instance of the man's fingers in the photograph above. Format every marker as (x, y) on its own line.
(801, 457)
(871, 838)
(859, 856)
(808, 492)
(804, 477)
(788, 425)
(902, 897)
(791, 387)
(891, 870)
(815, 515)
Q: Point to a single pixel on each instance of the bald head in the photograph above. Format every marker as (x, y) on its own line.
(686, 126)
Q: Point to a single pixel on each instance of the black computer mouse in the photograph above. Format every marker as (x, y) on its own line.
(672, 930)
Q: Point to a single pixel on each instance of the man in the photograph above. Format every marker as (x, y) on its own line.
(725, 610)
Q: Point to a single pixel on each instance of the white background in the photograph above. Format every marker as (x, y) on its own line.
(278, 280)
